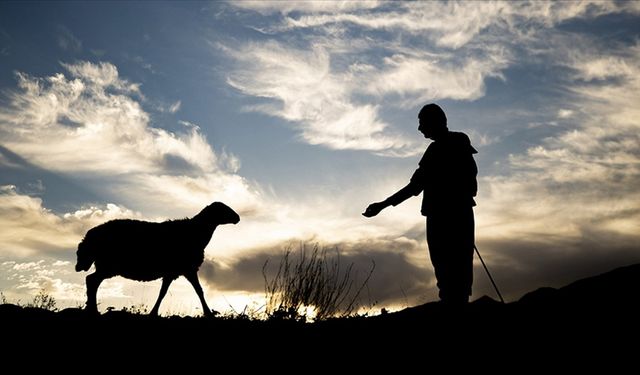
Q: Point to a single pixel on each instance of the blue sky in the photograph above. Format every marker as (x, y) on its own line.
(299, 114)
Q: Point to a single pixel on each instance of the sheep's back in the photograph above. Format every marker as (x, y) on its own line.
(146, 251)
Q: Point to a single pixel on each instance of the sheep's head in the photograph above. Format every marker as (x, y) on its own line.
(84, 259)
(218, 213)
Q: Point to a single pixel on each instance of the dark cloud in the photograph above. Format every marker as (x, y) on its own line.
(396, 279)
(403, 274)
(521, 266)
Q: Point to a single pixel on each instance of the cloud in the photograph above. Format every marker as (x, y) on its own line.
(102, 133)
(144, 64)
(56, 279)
(336, 94)
(403, 275)
(570, 206)
(39, 246)
(6, 162)
(286, 7)
(448, 24)
(601, 150)
(310, 96)
(68, 41)
(522, 265)
(565, 113)
(424, 77)
(399, 277)
(175, 107)
(323, 104)
(98, 128)
(455, 24)
(30, 230)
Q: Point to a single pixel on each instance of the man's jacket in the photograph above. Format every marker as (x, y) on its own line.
(446, 174)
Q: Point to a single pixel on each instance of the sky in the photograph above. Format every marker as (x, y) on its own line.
(300, 114)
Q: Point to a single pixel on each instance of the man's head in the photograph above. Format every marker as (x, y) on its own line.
(432, 121)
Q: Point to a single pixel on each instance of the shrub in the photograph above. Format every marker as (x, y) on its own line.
(43, 300)
(314, 282)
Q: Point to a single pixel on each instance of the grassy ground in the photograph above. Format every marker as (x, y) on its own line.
(590, 320)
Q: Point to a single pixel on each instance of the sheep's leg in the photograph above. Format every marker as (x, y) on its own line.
(93, 282)
(166, 281)
(193, 279)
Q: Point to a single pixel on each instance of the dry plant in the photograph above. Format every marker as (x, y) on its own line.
(314, 281)
(43, 300)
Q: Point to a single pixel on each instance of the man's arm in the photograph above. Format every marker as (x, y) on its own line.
(414, 187)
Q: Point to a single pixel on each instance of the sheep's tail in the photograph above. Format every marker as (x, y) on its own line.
(86, 256)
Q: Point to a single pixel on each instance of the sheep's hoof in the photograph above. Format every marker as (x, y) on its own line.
(210, 313)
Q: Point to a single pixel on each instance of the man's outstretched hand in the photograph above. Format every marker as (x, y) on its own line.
(374, 209)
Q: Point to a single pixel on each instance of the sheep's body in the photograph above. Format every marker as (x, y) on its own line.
(146, 251)
(149, 249)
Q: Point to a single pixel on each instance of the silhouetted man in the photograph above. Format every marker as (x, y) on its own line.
(446, 176)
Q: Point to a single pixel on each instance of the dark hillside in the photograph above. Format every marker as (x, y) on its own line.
(600, 314)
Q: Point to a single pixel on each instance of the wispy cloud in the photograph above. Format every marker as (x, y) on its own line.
(285, 7)
(175, 107)
(421, 77)
(340, 108)
(333, 91)
(336, 93)
(454, 24)
(100, 129)
(67, 41)
(170, 108)
(310, 96)
(92, 114)
(573, 199)
(31, 229)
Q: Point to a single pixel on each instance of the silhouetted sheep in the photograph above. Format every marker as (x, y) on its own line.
(145, 251)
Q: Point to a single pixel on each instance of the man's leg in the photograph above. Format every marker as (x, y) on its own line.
(450, 237)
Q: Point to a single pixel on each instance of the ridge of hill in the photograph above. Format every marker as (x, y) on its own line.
(592, 314)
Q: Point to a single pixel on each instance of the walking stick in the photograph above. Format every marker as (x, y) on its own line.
(489, 274)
